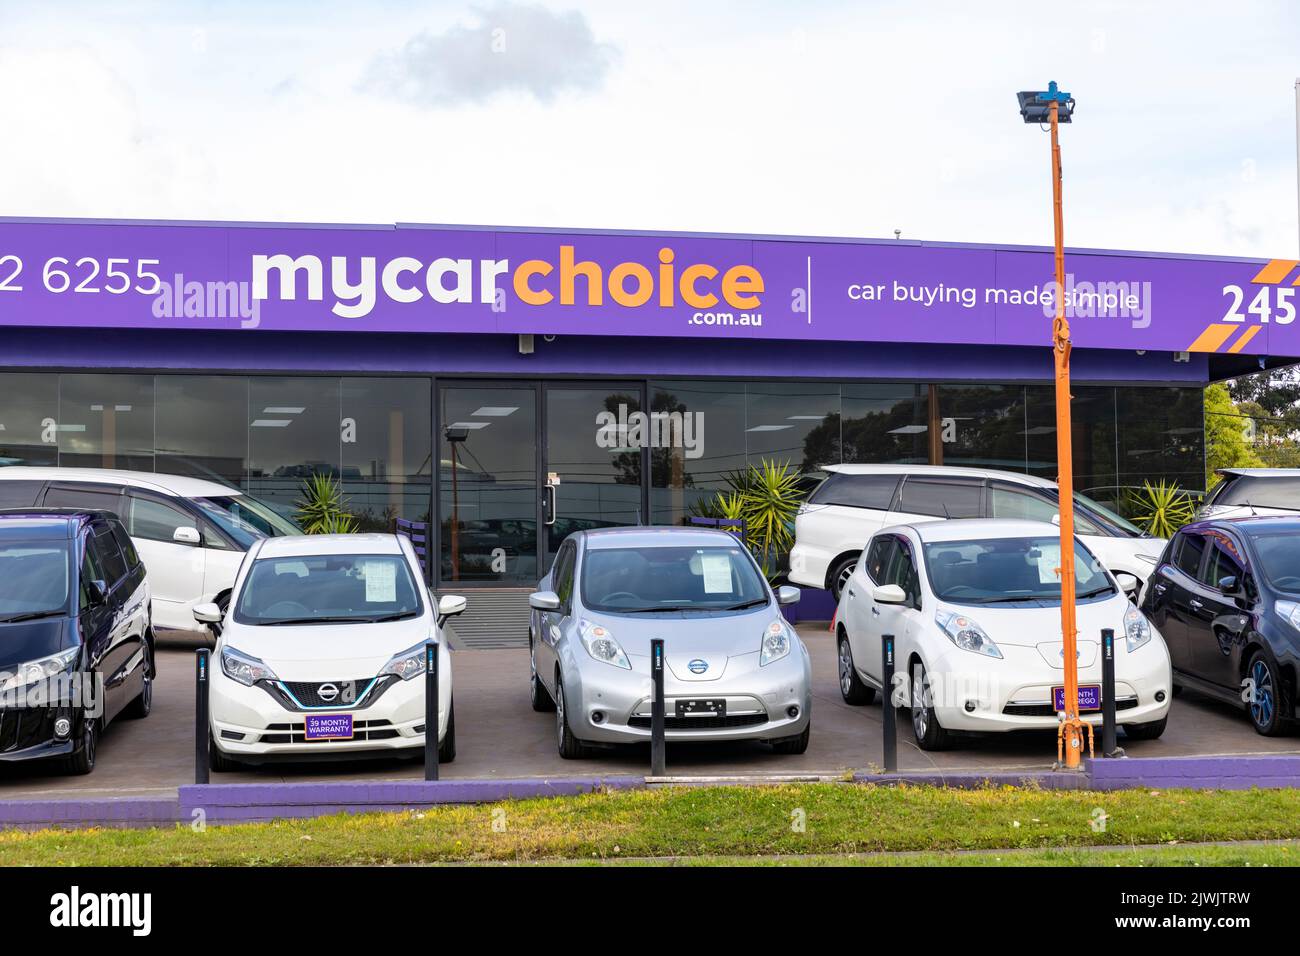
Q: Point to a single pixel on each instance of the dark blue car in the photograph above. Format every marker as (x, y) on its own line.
(76, 647)
(1226, 598)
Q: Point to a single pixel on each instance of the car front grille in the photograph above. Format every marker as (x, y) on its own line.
(351, 694)
(701, 723)
(295, 733)
(1048, 710)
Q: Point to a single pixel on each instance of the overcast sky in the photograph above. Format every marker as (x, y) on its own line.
(815, 118)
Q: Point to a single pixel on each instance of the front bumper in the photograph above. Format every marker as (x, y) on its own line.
(249, 722)
(27, 733)
(1016, 693)
(763, 703)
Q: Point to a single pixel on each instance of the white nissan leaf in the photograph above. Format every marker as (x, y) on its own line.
(322, 653)
(974, 606)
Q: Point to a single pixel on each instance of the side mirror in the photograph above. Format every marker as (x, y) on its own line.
(888, 594)
(1229, 586)
(449, 605)
(1129, 584)
(207, 614)
(544, 601)
(786, 594)
(98, 591)
(186, 535)
(1056, 519)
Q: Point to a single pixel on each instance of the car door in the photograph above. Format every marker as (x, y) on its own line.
(906, 626)
(1171, 594)
(1215, 622)
(863, 617)
(94, 618)
(176, 567)
(551, 623)
(118, 645)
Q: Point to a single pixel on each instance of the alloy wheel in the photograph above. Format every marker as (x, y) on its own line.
(1262, 704)
(843, 580)
(920, 717)
(559, 713)
(846, 668)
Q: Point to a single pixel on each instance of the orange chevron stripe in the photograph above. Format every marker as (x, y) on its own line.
(1213, 336)
(1246, 336)
(1276, 272)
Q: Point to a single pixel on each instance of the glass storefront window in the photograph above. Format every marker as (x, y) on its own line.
(795, 424)
(29, 414)
(387, 443)
(106, 421)
(1092, 414)
(885, 424)
(217, 451)
(983, 426)
(1161, 435)
(709, 422)
(293, 433)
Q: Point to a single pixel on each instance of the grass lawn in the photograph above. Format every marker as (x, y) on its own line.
(804, 823)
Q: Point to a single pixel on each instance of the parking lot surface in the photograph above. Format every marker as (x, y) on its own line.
(499, 736)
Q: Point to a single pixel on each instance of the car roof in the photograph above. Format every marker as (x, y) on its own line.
(941, 471)
(1247, 524)
(47, 523)
(177, 486)
(970, 529)
(1259, 472)
(310, 545)
(641, 536)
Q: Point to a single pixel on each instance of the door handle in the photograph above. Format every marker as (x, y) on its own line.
(1195, 604)
(550, 493)
(851, 594)
(875, 611)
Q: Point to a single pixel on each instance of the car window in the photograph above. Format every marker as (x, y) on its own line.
(856, 491)
(19, 494)
(126, 544)
(90, 571)
(645, 580)
(328, 589)
(1263, 492)
(34, 581)
(902, 571)
(108, 555)
(1224, 561)
(1010, 571)
(562, 578)
(94, 498)
(1188, 553)
(154, 521)
(1008, 502)
(942, 499)
(1279, 560)
(879, 555)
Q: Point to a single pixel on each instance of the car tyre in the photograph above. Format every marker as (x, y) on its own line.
(1269, 707)
(447, 747)
(930, 734)
(793, 745)
(840, 574)
(851, 687)
(83, 761)
(142, 706)
(570, 747)
(538, 695)
(1147, 731)
(218, 762)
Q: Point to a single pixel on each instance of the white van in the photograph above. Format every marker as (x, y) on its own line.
(856, 501)
(191, 533)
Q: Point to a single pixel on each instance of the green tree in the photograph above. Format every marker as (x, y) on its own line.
(1225, 435)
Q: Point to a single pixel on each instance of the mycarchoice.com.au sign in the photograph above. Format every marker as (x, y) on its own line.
(439, 279)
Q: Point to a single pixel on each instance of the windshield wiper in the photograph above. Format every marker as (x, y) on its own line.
(1104, 589)
(1011, 598)
(315, 620)
(29, 616)
(651, 609)
(744, 604)
(384, 618)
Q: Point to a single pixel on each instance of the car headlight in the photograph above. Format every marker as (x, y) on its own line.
(776, 643)
(1137, 629)
(1289, 610)
(601, 645)
(43, 668)
(244, 668)
(407, 665)
(966, 634)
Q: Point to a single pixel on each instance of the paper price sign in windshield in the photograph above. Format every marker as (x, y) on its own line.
(381, 582)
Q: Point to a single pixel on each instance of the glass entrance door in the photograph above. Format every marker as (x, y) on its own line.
(594, 447)
(523, 465)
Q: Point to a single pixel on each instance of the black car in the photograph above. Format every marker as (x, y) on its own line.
(1226, 597)
(76, 647)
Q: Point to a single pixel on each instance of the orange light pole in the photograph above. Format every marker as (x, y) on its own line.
(1036, 108)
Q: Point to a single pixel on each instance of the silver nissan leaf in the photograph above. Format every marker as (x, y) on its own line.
(735, 669)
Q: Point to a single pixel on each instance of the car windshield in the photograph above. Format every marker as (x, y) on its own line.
(328, 589)
(35, 579)
(1009, 571)
(1279, 556)
(246, 519)
(646, 580)
(1106, 516)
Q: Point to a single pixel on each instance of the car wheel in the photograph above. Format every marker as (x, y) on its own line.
(793, 745)
(570, 747)
(1148, 731)
(447, 748)
(1267, 705)
(840, 576)
(538, 695)
(851, 687)
(218, 762)
(83, 761)
(140, 708)
(930, 735)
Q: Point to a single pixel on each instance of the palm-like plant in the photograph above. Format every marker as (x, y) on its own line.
(769, 497)
(322, 509)
(1161, 508)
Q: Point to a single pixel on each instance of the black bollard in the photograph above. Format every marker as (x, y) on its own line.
(657, 756)
(1109, 747)
(430, 710)
(890, 714)
(202, 660)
